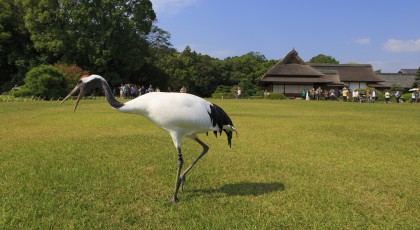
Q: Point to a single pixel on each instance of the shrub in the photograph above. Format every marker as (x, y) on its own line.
(43, 81)
(406, 97)
(278, 96)
(249, 89)
(395, 87)
(223, 91)
(71, 73)
(380, 96)
(223, 95)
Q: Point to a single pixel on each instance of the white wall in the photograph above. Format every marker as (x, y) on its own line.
(356, 85)
(288, 89)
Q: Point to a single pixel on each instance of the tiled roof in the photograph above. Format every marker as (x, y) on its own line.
(408, 71)
(350, 72)
(404, 80)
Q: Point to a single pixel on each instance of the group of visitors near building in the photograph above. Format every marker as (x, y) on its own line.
(356, 96)
(347, 95)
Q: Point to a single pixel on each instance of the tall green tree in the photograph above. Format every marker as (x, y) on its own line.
(249, 67)
(246, 70)
(5, 40)
(160, 49)
(323, 59)
(184, 69)
(17, 54)
(5, 14)
(205, 79)
(107, 37)
(199, 73)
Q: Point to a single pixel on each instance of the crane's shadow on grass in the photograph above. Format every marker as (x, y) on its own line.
(245, 189)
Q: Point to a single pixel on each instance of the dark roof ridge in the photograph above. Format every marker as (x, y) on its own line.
(326, 64)
(399, 74)
(293, 58)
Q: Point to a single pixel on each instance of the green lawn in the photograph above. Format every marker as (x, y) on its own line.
(294, 165)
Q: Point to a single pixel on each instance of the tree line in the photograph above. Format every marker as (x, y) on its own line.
(118, 39)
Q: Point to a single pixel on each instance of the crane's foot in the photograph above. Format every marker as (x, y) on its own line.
(175, 200)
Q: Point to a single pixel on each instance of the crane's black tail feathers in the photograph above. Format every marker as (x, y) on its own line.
(219, 117)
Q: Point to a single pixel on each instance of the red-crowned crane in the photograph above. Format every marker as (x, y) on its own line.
(181, 114)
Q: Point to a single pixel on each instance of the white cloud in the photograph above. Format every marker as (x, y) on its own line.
(393, 66)
(401, 46)
(171, 6)
(362, 41)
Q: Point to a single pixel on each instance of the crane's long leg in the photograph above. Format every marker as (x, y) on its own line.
(205, 150)
(178, 173)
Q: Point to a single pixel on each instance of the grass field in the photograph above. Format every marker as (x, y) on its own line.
(294, 165)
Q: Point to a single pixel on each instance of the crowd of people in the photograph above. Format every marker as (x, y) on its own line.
(130, 91)
(319, 93)
(133, 91)
(347, 95)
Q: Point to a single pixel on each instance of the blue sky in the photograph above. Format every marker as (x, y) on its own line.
(384, 33)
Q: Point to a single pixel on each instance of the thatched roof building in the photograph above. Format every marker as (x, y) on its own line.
(406, 81)
(352, 75)
(290, 75)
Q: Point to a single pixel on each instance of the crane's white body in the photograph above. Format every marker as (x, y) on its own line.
(181, 114)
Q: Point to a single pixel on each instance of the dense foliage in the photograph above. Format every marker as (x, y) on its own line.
(101, 36)
(71, 73)
(106, 37)
(17, 54)
(43, 81)
(323, 59)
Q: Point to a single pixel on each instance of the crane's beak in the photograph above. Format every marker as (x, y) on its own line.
(81, 94)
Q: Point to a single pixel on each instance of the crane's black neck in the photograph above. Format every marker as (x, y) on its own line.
(110, 97)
